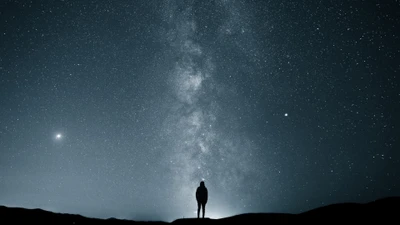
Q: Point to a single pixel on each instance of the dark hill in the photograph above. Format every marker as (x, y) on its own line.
(380, 211)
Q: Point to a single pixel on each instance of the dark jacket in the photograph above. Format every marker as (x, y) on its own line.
(202, 193)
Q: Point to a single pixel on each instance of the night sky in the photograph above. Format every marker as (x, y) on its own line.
(120, 108)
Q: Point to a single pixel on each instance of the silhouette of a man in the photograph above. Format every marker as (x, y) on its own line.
(201, 197)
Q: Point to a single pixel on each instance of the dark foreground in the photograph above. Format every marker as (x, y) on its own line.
(383, 211)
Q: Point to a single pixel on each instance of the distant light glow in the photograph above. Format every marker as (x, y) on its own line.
(58, 136)
(213, 214)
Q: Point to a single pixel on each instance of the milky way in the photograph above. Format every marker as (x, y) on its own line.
(199, 148)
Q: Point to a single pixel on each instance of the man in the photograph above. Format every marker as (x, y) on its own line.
(201, 197)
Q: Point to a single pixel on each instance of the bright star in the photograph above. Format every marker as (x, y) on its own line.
(58, 136)
(286, 114)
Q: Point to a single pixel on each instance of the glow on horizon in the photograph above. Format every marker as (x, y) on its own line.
(214, 213)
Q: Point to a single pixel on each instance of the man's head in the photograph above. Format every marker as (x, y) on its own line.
(202, 183)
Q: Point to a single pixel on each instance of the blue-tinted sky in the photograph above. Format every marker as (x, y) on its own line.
(120, 108)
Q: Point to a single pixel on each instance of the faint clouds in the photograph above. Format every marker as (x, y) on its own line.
(191, 48)
(188, 83)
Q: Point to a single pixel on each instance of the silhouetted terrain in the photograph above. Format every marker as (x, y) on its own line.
(380, 211)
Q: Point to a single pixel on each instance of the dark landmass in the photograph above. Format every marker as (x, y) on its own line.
(386, 210)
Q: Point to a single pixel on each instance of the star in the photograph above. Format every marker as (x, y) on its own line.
(58, 136)
(286, 114)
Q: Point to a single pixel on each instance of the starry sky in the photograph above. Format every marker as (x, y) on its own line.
(120, 108)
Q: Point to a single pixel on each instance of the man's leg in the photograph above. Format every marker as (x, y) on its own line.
(203, 205)
(198, 209)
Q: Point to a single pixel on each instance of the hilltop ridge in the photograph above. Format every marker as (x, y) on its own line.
(381, 210)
